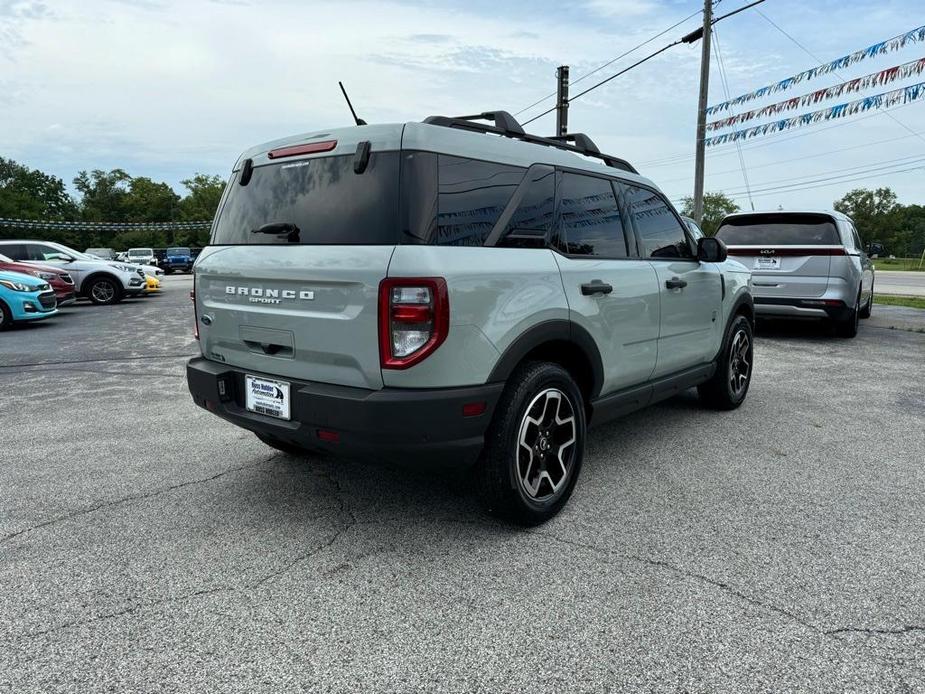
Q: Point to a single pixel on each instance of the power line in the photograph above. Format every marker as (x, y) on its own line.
(722, 74)
(828, 183)
(689, 38)
(793, 159)
(613, 60)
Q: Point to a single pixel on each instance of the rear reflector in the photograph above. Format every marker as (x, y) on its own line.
(295, 150)
(329, 436)
(473, 409)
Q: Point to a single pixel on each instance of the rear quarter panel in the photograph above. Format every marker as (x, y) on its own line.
(496, 294)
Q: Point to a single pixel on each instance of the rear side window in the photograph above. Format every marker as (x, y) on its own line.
(533, 217)
(589, 218)
(322, 197)
(779, 230)
(471, 195)
(659, 230)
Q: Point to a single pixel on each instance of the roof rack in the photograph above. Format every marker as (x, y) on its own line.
(504, 124)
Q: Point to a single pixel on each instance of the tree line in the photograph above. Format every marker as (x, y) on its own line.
(107, 196)
(877, 214)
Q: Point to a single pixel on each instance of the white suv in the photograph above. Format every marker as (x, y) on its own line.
(101, 281)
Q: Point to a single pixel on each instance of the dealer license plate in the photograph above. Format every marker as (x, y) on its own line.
(762, 263)
(267, 397)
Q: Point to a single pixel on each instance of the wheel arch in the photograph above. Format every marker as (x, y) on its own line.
(90, 279)
(560, 341)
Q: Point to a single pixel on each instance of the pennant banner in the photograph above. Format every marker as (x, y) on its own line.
(98, 226)
(875, 79)
(888, 46)
(903, 95)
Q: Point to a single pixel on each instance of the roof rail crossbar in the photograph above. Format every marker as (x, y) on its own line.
(506, 125)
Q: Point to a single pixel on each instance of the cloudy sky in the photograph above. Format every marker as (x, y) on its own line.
(167, 88)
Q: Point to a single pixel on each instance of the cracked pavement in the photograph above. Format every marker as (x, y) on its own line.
(148, 546)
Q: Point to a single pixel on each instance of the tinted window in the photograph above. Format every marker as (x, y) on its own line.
(533, 217)
(589, 219)
(323, 197)
(16, 251)
(471, 195)
(778, 230)
(660, 233)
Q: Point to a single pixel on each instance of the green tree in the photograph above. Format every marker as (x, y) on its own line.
(876, 213)
(103, 195)
(205, 192)
(715, 207)
(30, 194)
(148, 201)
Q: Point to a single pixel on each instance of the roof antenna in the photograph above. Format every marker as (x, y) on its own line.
(359, 121)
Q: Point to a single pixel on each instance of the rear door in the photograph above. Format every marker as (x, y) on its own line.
(289, 285)
(790, 254)
(690, 292)
(611, 294)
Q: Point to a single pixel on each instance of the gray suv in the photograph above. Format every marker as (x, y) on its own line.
(804, 265)
(460, 292)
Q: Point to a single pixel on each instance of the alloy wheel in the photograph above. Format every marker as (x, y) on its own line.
(546, 444)
(103, 291)
(739, 362)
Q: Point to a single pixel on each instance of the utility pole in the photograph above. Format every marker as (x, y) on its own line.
(561, 100)
(702, 109)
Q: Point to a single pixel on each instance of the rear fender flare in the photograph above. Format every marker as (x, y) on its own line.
(551, 331)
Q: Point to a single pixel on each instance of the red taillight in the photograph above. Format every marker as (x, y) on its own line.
(414, 319)
(192, 296)
(311, 148)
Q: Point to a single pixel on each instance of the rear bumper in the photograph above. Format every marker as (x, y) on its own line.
(801, 308)
(391, 424)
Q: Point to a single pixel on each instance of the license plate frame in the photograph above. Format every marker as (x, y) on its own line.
(267, 396)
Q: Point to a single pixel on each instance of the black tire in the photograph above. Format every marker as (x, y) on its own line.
(282, 446)
(869, 306)
(104, 291)
(727, 389)
(6, 317)
(848, 326)
(505, 474)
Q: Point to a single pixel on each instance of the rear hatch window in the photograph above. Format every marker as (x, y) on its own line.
(779, 230)
(323, 198)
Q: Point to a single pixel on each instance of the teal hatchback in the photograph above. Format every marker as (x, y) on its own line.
(24, 298)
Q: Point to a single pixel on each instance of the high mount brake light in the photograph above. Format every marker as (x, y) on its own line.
(414, 319)
(310, 148)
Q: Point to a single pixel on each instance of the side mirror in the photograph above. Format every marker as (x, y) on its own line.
(711, 250)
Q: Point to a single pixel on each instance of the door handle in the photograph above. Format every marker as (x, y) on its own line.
(675, 283)
(596, 287)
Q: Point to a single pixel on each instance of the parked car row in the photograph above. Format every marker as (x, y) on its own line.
(38, 277)
(173, 259)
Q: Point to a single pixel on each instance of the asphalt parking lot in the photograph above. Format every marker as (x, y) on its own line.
(146, 545)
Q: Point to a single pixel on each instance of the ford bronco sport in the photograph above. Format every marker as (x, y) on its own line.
(458, 291)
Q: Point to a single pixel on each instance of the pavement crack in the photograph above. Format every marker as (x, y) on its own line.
(908, 628)
(126, 611)
(132, 497)
(676, 569)
(350, 520)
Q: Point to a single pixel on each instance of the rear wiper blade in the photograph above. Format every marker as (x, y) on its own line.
(279, 228)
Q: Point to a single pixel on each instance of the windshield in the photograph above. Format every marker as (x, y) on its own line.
(140, 252)
(322, 198)
(178, 251)
(779, 230)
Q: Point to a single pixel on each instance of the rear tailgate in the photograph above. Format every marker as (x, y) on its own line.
(289, 285)
(301, 312)
(789, 253)
(787, 271)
